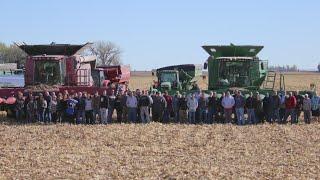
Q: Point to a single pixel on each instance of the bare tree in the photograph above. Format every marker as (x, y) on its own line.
(107, 53)
(319, 67)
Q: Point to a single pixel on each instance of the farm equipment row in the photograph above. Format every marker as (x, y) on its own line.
(59, 68)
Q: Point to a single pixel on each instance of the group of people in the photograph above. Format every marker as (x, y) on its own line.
(142, 107)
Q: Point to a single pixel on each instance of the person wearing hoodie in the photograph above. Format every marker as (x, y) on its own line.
(192, 104)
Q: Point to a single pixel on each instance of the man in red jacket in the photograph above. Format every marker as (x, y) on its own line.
(291, 104)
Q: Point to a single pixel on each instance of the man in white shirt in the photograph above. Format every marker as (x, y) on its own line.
(132, 105)
(228, 103)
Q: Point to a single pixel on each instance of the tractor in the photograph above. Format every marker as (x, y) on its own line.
(177, 78)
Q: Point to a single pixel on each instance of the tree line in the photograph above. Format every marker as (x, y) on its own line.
(107, 53)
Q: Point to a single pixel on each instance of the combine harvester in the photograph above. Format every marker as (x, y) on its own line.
(181, 78)
(59, 68)
(229, 67)
(238, 67)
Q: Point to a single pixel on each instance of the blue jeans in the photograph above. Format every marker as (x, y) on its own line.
(252, 116)
(19, 114)
(95, 113)
(110, 113)
(166, 116)
(41, 116)
(132, 114)
(275, 115)
(203, 115)
(192, 117)
(211, 115)
(176, 116)
(80, 114)
(240, 116)
(47, 115)
(292, 114)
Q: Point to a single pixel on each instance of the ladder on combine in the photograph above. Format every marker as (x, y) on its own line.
(271, 79)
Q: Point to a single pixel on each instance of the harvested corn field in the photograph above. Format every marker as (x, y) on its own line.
(153, 151)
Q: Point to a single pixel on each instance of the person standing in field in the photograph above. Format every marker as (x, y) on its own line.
(315, 103)
(267, 108)
(96, 106)
(203, 108)
(168, 110)
(213, 104)
(104, 104)
(239, 107)
(175, 106)
(53, 108)
(306, 106)
(282, 110)
(31, 109)
(298, 108)
(220, 117)
(80, 108)
(70, 109)
(111, 108)
(250, 105)
(42, 106)
(228, 103)
(290, 108)
(19, 106)
(132, 105)
(124, 106)
(183, 108)
(118, 106)
(275, 103)
(47, 111)
(192, 104)
(144, 103)
(88, 109)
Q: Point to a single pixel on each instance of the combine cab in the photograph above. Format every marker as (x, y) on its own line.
(235, 66)
(177, 78)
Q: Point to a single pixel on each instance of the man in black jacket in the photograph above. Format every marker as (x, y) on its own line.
(144, 102)
(104, 104)
(213, 104)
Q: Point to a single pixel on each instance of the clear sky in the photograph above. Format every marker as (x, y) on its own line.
(154, 33)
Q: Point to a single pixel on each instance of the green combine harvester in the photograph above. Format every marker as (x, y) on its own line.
(181, 78)
(239, 67)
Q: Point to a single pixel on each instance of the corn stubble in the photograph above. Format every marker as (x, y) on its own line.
(155, 151)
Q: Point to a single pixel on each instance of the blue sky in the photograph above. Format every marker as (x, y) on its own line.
(152, 34)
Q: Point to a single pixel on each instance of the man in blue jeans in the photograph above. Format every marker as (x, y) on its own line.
(239, 107)
(251, 104)
(192, 104)
(132, 105)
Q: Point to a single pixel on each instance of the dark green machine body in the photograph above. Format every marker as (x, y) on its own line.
(177, 78)
(235, 67)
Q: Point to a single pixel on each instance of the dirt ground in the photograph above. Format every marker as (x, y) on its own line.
(162, 151)
(157, 151)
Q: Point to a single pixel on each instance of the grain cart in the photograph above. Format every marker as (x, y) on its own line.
(181, 78)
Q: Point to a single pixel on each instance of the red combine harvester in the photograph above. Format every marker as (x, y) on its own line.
(58, 68)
